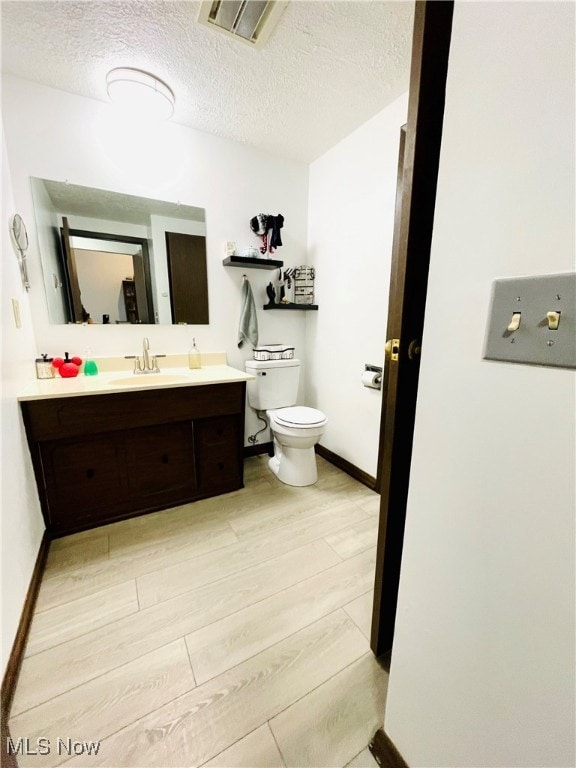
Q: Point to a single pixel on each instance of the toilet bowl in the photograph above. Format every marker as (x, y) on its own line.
(295, 432)
(295, 429)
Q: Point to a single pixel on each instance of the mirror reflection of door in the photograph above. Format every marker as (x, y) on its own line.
(108, 277)
(188, 277)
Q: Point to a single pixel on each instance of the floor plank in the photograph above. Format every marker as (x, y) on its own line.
(176, 579)
(257, 750)
(83, 658)
(358, 537)
(225, 643)
(79, 549)
(101, 707)
(60, 587)
(330, 725)
(360, 611)
(363, 759)
(209, 719)
(57, 625)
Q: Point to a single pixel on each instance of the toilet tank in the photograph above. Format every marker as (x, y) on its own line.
(275, 384)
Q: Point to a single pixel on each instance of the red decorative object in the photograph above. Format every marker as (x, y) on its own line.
(67, 368)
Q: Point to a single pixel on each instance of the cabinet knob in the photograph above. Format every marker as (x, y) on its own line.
(220, 465)
(164, 458)
(90, 474)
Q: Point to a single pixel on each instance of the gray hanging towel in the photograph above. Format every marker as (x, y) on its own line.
(248, 329)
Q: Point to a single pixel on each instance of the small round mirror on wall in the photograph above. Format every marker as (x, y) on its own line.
(20, 238)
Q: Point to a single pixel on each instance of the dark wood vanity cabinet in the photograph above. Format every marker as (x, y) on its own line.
(100, 458)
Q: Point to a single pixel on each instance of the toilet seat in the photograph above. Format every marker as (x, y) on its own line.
(299, 416)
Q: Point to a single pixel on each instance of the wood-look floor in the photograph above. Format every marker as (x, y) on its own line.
(228, 632)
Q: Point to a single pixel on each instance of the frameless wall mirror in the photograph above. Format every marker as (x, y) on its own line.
(113, 258)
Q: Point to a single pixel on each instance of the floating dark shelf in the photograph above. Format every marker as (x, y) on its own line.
(251, 262)
(290, 306)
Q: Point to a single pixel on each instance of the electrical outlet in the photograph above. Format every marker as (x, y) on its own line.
(16, 310)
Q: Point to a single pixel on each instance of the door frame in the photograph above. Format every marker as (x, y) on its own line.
(110, 237)
(415, 202)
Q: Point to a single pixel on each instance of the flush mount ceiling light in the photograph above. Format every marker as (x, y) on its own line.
(140, 93)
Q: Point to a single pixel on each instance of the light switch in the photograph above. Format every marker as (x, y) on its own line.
(532, 320)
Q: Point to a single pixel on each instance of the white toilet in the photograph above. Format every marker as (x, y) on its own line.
(295, 428)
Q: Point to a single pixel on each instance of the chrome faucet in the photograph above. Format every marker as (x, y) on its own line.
(146, 354)
(148, 364)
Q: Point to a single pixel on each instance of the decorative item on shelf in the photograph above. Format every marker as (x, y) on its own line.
(271, 293)
(67, 367)
(230, 248)
(250, 252)
(20, 240)
(304, 284)
(288, 294)
(44, 369)
(268, 228)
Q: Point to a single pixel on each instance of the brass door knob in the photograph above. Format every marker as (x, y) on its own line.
(414, 349)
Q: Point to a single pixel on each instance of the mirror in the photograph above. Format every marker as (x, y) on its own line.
(20, 240)
(113, 258)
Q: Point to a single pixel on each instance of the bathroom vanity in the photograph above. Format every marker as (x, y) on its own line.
(101, 454)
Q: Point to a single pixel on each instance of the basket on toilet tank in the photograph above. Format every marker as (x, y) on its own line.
(273, 352)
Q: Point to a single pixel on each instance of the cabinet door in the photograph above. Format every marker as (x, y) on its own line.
(219, 453)
(160, 463)
(84, 480)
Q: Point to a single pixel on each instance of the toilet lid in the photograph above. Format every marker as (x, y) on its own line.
(300, 416)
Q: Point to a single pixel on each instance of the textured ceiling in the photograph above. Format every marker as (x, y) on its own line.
(326, 69)
(114, 206)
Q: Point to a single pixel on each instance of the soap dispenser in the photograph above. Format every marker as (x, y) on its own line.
(90, 367)
(44, 368)
(194, 360)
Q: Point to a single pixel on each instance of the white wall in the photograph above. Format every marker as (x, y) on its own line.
(483, 658)
(351, 224)
(48, 234)
(21, 520)
(55, 135)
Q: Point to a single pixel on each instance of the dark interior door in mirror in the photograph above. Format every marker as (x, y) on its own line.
(188, 278)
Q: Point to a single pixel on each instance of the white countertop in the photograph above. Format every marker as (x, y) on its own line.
(126, 381)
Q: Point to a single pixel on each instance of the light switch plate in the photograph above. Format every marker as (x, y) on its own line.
(533, 343)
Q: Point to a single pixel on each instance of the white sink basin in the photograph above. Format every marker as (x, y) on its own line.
(151, 379)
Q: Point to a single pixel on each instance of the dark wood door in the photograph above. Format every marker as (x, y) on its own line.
(188, 278)
(416, 195)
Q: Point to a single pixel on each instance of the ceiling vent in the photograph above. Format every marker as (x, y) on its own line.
(251, 21)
